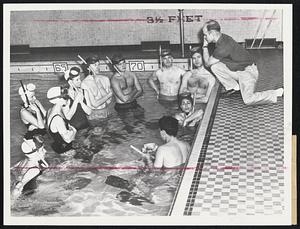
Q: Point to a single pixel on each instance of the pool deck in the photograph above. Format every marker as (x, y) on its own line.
(236, 166)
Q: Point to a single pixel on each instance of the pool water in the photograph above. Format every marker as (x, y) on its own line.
(74, 185)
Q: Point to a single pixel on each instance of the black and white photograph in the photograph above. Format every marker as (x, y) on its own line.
(147, 114)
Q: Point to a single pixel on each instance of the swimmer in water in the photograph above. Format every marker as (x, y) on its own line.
(125, 85)
(173, 153)
(32, 166)
(188, 117)
(78, 106)
(199, 81)
(32, 113)
(62, 132)
(168, 78)
(98, 88)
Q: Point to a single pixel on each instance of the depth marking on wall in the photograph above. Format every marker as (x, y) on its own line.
(134, 65)
(157, 19)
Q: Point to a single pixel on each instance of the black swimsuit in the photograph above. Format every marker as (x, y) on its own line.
(59, 145)
(79, 119)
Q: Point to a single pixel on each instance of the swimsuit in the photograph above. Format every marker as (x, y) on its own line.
(79, 119)
(59, 145)
(126, 106)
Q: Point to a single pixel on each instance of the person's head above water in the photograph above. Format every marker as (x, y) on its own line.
(118, 62)
(92, 60)
(73, 77)
(185, 102)
(196, 55)
(167, 58)
(91, 66)
(168, 125)
(58, 95)
(29, 91)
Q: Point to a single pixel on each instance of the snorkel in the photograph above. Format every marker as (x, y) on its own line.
(27, 100)
(23, 92)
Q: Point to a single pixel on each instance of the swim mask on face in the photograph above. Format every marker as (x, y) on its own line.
(184, 95)
(72, 73)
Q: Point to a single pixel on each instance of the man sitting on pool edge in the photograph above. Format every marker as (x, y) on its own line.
(125, 85)
(168, 77)
(173, 153)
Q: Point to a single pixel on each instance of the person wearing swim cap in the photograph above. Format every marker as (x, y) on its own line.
(32, 113)
(188, 116)
(198, 81)
(166, 81)
(32, 166)
(98, 88)
(125, 85)
(174, 152)
(60, 129)
(78, 106)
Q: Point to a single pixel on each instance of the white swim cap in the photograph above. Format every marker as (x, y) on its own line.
(28, 146)
(56, 93)
(29, 87)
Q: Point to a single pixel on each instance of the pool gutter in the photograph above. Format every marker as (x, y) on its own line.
(181, 195)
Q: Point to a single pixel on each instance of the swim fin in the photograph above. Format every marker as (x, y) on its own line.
(119, 182)
(132, 198)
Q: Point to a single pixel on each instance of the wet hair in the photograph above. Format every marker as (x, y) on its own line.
(90, 60)
(213, 25)
(116, 59)
(169, 124)
(184, 95)
(196, 50)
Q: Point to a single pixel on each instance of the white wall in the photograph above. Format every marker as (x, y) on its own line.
(120, 27)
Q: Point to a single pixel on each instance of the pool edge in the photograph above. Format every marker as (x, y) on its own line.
(181, 195)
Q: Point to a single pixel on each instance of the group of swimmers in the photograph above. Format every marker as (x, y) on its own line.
(90, 99)
(79, 102)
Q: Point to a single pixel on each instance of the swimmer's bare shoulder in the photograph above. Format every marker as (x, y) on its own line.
(87, 82)
(179, 69)
(185, 148)
(155, 74)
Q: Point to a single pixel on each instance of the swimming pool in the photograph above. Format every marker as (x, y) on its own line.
(74, 185)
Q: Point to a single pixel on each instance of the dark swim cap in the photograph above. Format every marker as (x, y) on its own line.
(117, 58)
(184, 95)
(92, 60)
(166, 53)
